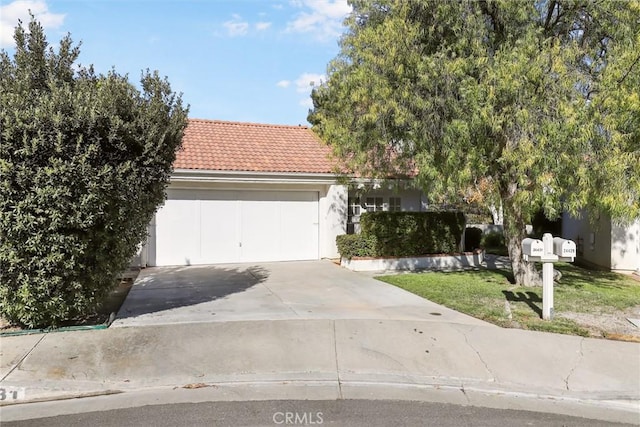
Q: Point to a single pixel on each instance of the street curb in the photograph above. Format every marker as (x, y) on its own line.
(61, 396)
(618, 408)
(54, 330)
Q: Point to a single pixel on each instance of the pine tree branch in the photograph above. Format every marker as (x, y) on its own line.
(629, 70)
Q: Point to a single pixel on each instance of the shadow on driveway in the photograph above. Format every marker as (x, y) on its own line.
(164, 288)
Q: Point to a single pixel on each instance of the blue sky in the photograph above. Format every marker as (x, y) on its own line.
(243, 60)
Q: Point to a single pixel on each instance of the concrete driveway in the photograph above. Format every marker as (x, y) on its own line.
(271, 291)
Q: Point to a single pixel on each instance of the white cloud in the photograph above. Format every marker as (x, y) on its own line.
(260, 26)
(307, 81)
(236, 26)
(323, 18)
(19, 10)
(306, 102)
(304, 83)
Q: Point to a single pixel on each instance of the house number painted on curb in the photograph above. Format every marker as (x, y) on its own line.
(11, 393)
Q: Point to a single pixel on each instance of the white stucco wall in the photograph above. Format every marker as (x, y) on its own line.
(593, 241)
(625, 247)
(605, 244)
(150, 244)
(572, 227)
(333, 218)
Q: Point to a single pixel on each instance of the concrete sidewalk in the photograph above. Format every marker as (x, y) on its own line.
(324, 359)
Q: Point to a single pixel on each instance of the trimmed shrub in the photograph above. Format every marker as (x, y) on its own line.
(472, 238)
(359, 245)
(412, 233)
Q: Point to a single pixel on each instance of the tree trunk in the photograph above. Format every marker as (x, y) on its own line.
(497, 214)
(524, 273)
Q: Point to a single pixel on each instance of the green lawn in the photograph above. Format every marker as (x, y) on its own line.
(489, 296)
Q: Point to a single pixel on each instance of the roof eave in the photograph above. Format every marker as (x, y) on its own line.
(202, 175)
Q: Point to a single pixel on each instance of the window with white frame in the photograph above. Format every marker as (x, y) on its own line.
(374, 204)
(354, 209)
(395, 204)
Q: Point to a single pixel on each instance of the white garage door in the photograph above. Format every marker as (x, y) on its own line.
(216, 226)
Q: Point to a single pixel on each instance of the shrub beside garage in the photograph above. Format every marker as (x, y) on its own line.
(84, 162)
(403, 234)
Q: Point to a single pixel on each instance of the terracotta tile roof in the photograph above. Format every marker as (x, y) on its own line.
(232, 146)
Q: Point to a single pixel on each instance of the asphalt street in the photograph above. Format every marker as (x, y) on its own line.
(369, 413)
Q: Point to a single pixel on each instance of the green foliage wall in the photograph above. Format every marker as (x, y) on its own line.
(84, 162)
(404, 234)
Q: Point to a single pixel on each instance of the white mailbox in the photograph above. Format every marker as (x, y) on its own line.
(532, 248)
(564, 248)
(548, 250)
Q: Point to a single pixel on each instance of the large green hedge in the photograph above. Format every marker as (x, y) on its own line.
(404, 234)
(84, 162)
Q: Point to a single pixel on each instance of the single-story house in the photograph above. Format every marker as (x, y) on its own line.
(245, 192)
(604, 244)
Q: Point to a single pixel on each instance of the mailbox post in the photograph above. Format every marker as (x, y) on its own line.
(548, 250)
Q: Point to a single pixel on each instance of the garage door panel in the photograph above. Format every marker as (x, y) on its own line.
(260, 230)
(219, 231)
(177, 241)
(222, 226)
(299, 230)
